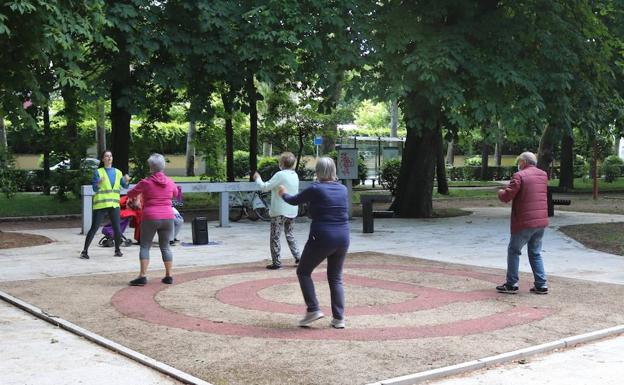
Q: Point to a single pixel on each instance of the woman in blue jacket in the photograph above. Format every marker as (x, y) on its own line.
(328, 239)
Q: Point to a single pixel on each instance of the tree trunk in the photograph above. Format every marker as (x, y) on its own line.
(331, 131)
(329, 139)
(47, 135)
(3, 135)
(72, 117)
(546, 145)
(120, 127)
(450, 153)
(498, 149)
(228, 99)
(441, 165)
(566, 168)
(100, 126)
(299, 150)
(394, 118)
(485, 158)
(415, 186)
(190, 149)
(594, 167)
(253, 123)
(120, 109)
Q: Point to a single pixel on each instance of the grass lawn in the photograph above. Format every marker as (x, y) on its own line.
(200, 201)
(467, 193)
(36, 204)
(585, 185)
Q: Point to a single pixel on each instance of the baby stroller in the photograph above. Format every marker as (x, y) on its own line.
(129, 214)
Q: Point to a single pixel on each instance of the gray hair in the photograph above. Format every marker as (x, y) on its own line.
(287, 160)
(528, 158)
(325, 169)
(156, 162)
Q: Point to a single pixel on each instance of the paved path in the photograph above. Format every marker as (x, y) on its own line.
(33, 352)
(479, 239)
(599, 363)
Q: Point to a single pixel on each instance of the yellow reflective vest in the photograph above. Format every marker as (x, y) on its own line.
(107, 195)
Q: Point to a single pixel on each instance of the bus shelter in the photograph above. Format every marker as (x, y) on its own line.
(374, 150)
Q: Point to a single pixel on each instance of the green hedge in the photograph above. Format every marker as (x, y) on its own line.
(474, 172)
(267, 167)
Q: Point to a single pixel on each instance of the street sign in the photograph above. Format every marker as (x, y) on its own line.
(318, 140)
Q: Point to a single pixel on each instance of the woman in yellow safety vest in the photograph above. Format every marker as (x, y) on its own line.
(107, 183)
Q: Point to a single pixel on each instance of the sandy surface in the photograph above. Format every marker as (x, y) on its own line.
(236, 324)
(11, 240)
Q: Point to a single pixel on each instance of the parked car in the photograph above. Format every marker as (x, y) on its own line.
(89, 163)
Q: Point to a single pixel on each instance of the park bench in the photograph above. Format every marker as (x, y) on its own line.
(552, 202)
(368, 214)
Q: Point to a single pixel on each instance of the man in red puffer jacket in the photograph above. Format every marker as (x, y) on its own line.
(529, 218)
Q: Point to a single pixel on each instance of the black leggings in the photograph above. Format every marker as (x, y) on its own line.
(98, 215)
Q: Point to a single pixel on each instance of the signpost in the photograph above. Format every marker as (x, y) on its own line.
(318, 140)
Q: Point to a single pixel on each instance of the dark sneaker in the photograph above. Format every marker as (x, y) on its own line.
(167, 280)
(507, 289)
(141, 281)
(539, 290)
(310, 317)
(273, 267)
(84, 254)
(118, 253)
(297, 260)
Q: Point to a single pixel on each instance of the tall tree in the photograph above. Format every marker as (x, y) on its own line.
(100, 125)
(32, 33)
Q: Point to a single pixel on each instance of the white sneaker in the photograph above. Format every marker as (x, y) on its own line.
(310, 317)
(338, 323)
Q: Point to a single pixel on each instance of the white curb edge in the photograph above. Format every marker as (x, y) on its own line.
(481, 363)
(105, 342)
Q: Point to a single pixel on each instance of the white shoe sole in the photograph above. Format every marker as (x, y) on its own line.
(307, 321)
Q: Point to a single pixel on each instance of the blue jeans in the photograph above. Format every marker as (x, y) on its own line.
(532, 238)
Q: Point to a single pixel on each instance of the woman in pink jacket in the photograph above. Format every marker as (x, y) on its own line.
(157, 191)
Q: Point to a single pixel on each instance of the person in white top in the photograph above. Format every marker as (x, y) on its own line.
(282, 214)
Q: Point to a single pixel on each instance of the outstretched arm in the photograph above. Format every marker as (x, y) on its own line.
(305, 196)
(268, 185)
(509, 193)
(136, 190)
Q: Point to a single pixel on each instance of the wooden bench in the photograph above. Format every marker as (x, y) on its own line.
(368, 214)
(552, 202)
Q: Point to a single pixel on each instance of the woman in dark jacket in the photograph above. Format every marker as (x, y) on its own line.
(328, 239)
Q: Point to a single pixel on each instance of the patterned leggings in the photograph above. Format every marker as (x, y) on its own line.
(276, 230)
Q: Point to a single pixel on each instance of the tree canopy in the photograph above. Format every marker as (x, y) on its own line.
(533, 68)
